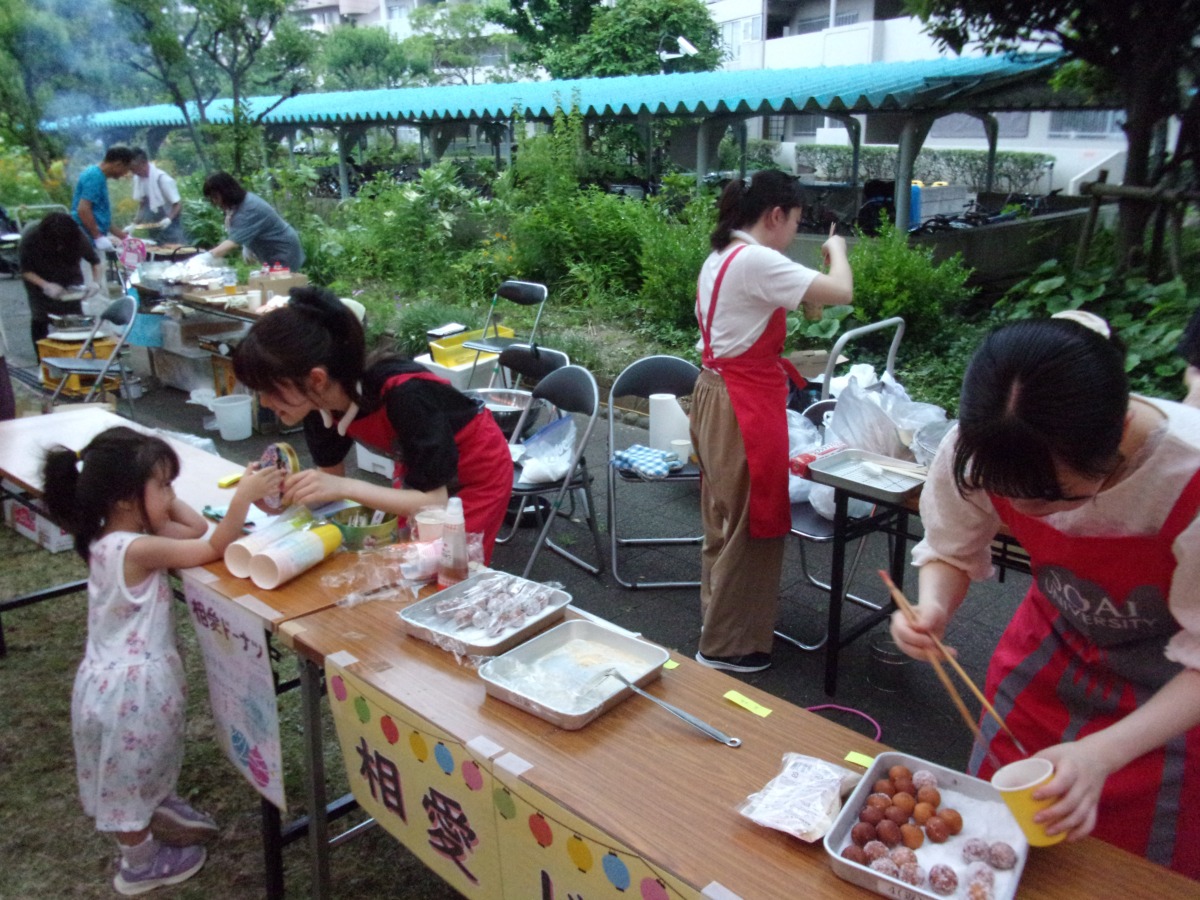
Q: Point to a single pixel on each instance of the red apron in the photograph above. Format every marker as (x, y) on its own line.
(1085, 649)
(485, 468)
(757, 382)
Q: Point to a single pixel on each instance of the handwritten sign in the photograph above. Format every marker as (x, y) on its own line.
(241, 689)
(467, 813)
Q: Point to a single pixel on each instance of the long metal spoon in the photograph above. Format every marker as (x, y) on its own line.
(713, 733)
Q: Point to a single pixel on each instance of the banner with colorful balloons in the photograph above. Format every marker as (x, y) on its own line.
(421, 785)
(481, 828)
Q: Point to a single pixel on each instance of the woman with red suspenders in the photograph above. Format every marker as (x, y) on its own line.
(1099, 669)
(307, 361)
(739, 409)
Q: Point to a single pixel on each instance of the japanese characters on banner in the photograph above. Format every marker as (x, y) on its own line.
(241, 688)
(480, 828)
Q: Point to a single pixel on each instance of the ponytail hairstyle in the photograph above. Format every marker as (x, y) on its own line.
(314, 329)
(743, 204)
(81, 489)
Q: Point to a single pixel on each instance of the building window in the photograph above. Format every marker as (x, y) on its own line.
(960, 125)
(1086, 123)
(776, 128)
(820, 23)
(739, 31)
(806, 125)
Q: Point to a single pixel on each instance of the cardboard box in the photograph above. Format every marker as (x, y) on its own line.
(181, 335)
(185, 369)
(277, 283)
(23, 518)
(811, 363)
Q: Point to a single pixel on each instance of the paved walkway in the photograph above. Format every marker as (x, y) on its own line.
(917, 718)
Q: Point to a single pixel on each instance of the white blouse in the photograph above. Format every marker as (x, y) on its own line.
(959, 530)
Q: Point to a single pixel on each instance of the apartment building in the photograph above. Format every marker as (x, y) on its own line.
(776, 34)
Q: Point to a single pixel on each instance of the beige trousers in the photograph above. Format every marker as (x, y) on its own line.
(739, 576)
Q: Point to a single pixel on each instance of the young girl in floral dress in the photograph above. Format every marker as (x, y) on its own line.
(127, 709)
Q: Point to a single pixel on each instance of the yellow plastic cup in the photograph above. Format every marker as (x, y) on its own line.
(1016, 783)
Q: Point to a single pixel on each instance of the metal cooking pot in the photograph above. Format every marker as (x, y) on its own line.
(506, 406)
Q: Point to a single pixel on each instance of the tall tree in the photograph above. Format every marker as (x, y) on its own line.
(353, 59)
(626, 39)
(166, 51)
(1143, 50)
(258, 47)
(460, 43)
(542, 26)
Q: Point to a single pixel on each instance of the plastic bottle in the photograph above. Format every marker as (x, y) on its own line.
(453, 568)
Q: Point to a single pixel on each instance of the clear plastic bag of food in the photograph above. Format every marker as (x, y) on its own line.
(803, 799)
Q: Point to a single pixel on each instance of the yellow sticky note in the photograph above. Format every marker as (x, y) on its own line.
(670, 664)
(746, 703)
(860, 759)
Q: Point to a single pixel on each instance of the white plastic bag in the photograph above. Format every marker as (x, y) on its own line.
(802, 800)
(803, 436)
(548, 452)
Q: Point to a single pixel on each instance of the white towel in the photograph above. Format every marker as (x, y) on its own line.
(150, 188)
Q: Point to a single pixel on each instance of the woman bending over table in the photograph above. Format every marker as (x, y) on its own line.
(308, 362)
(1099, 669)
(739, 409)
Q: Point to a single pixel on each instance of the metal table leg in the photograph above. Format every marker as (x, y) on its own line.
(314, 760)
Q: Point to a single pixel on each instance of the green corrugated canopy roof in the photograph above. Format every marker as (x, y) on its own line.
(942, 84)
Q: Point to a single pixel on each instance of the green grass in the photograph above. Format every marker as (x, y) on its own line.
(51, 849)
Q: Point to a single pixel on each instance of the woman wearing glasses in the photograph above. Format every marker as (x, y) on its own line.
(1099, 669)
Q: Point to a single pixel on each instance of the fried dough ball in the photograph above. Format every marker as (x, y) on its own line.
(911, 873)
(924, 778)
(912, 835)
(888, 832)
(930, 795)
(922, 812)
(874, 850)
(952, 818)
(872, 815)
(899, 771)
(885, 866)
(885, 786)
(906, 802)
(943, 880)
(975, 849)
(862, 833)
(1001, 856)
(902, 855)
(855, 854)
(937, 830)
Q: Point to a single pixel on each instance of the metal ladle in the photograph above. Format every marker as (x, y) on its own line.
(713, 733)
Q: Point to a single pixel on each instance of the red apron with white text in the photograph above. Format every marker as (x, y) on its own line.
(1085, 649)
(757, 383)
(485, 468)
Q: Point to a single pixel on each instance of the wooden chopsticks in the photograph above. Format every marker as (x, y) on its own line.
(911, 614)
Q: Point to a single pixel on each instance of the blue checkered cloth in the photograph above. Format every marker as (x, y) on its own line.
(646, 462)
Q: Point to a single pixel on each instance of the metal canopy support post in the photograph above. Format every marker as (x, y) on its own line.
(854, 129)
(741, 131)
(912, 136)
(646, 126)
(991, 129)
(343, 136)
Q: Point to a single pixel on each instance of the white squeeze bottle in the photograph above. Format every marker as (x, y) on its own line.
(453, 568)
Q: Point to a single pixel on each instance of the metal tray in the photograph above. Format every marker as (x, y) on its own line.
(557, 675)
(984, 816)
(422, 619)
(844, 469)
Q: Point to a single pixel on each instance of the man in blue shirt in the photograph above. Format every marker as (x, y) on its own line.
(90, 206)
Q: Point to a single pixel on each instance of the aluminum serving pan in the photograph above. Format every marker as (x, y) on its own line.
(426, 620)
(852, 471)
(557, 676)
(984, 816)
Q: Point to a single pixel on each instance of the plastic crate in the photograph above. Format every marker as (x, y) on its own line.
(451, 352)
(77, 385)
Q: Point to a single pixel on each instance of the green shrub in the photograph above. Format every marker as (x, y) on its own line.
(894, 278)
(673, 248)
(1013, 171)
(1149, 318)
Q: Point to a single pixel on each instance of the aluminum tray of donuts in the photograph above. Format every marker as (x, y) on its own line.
(912, 828)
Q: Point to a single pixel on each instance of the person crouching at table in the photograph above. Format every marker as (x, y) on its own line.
(308, 362)
(1099, 669)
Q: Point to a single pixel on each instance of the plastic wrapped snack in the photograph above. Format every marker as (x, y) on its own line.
(803, 799)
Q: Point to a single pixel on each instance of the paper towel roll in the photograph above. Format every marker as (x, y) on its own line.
(668, 421)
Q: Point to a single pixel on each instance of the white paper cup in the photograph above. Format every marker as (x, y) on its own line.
(429, 524)
(682, 449)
